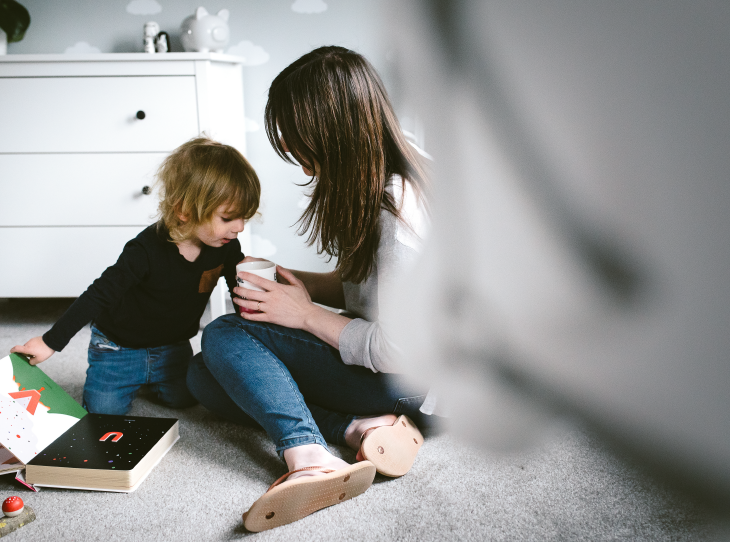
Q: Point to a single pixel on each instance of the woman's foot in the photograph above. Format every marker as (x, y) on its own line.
(389, 443)
(330, 481)
(358, 426)
(311, 455)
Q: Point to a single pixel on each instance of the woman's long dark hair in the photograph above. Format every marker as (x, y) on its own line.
(335, 118)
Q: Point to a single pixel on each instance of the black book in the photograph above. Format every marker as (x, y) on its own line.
(104, 452)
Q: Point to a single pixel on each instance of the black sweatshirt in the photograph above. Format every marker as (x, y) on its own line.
(152, 296)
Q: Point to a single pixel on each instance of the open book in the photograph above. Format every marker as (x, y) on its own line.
(44, 431)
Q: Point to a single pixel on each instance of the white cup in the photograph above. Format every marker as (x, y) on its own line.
(263, 269)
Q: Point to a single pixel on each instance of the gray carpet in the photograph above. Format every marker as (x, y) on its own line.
(571, 488)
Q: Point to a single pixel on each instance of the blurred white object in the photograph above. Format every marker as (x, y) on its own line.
(218, 299)
(151, 29)
(579, 256)
(204, 32)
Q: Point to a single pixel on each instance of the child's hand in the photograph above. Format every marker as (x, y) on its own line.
(36, 349)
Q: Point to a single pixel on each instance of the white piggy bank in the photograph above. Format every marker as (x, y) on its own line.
(204, 32)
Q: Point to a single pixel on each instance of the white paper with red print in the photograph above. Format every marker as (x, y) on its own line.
(26, 426)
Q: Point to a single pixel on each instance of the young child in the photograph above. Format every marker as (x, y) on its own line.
(146, 307)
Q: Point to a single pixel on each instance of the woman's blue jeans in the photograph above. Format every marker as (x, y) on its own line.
(291, 383)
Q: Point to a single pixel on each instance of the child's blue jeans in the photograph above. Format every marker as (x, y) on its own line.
(115, 374)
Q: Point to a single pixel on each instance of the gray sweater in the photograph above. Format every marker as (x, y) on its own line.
(365, 341)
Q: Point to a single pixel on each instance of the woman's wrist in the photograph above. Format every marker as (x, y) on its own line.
(325, 324)
(311, 316)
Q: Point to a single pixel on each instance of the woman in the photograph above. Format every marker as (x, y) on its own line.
(293, 366)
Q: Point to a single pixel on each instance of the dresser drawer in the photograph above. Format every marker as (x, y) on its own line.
(97, 114)
(57, 262)
(77, 189)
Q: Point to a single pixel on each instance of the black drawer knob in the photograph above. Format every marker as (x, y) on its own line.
(146, 190)
(141, 115)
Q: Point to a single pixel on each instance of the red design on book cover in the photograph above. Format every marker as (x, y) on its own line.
(34, 395)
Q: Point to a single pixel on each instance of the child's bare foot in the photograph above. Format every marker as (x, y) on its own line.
(358, 426)
(310, 455)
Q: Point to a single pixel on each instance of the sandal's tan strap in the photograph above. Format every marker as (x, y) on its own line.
(288, 474)
(369, 429)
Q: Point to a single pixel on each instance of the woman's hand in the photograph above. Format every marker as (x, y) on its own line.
(286, 303)
(36, 349)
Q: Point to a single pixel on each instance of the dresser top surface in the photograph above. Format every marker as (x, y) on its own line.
(122, 57)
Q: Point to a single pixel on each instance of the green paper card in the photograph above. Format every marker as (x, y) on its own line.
(34, 410)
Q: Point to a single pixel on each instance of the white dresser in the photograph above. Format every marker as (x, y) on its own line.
(81, 137)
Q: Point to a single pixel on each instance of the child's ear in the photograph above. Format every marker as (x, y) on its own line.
(181, 216)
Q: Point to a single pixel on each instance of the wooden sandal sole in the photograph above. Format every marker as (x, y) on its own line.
(296, 499)
(393, 448)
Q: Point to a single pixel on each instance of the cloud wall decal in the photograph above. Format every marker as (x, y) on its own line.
(82, 48)
(143, 7)
(254, 55)
(309, 6)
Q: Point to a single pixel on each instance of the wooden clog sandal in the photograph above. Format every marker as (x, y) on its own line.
(286, 502)
(391, 448)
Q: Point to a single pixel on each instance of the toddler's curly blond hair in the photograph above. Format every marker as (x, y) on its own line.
(197, 178)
